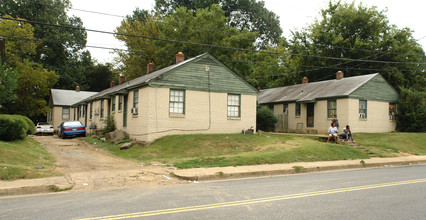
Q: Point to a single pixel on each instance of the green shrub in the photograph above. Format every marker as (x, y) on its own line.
(11, 129)
(29, 126)
(265, 119)
(109, 124)
(411, 115)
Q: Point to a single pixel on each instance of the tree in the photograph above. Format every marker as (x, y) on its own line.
(357, 32)
(33, 81)
(411, 115)
(58, 45)
(207, 26)
(99, 77)
(8, 85)
(244, 14)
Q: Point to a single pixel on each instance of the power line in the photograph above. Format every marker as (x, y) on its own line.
(224, 60)
(215, 46)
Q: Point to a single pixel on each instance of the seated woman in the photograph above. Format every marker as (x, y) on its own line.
(332, 133)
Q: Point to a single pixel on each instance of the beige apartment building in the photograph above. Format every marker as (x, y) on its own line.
(198, 95)
(366, 103)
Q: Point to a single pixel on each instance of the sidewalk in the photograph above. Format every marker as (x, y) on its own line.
(51, 184)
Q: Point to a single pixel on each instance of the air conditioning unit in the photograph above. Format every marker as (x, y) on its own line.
(362, 115)
(134, 111)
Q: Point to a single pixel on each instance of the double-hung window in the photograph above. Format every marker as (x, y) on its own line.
(331, 108)
(113, 104)
(120, 102)
(362, 108)
(177, 101)
(234, 104)
(392, 111)
(135, 99)
(298, 109)
(65, 113)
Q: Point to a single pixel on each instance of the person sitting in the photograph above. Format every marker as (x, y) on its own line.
(332, 133)
(346, 134)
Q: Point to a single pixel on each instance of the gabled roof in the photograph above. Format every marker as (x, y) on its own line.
(138, 81)
(144, 80)
(310, 92)
(60, 97)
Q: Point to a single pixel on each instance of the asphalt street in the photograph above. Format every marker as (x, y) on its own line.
(382, 193)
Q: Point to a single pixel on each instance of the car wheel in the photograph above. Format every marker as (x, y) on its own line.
(62, 135)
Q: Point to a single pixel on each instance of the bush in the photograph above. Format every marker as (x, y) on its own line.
(11, 129)
(265, 119)
(110, 124)
(29, 126)
(411, 110)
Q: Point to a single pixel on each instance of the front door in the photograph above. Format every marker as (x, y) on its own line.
(310, 115)
(125, 110)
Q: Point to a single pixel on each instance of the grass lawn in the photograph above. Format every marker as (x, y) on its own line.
(20, 159)
(393, 144)
(218, 150)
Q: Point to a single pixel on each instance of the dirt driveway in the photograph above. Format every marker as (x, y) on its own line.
(90, 168)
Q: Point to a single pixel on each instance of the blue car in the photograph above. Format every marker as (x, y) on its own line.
(71, 129)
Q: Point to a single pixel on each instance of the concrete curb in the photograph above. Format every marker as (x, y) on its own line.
(33, 186)
(205, 174)
(54, 184)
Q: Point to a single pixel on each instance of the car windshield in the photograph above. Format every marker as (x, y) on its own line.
(72, 123)
(43, 123)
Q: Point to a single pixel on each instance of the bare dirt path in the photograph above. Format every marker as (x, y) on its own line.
(90, 168)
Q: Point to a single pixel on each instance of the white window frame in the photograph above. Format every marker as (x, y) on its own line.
(64, 113)
(392, 111)
(177, 101)
(362, 108)
(234, 105)
(135, 99)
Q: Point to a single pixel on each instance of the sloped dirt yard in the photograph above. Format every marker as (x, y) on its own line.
(90, 168)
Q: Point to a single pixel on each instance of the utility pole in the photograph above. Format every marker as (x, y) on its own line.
(3, 50)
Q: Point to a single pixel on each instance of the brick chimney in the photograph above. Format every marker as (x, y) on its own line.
(180, 57)
(112, 84)
(339, 75)
(149, 68)
(121, 80)
(305, 80)
(77, 88)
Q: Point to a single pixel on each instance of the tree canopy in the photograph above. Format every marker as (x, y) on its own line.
(33, 81)
(207, 26)
(244, 14)
(352, 33)
(59, 48)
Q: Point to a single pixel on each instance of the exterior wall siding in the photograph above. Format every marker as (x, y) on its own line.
(194, 76)
(348, 114)
(154, 121)
(57, 116)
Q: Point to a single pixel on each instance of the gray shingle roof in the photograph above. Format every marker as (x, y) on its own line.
(138, 81)
(62, 97)
(311, 91)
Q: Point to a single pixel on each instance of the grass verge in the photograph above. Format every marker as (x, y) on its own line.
(25, 159)
(219, 150)
(393, 144)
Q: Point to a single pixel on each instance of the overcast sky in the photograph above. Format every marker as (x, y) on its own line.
(294, 15)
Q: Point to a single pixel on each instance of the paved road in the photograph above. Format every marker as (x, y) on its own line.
(386, 193)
